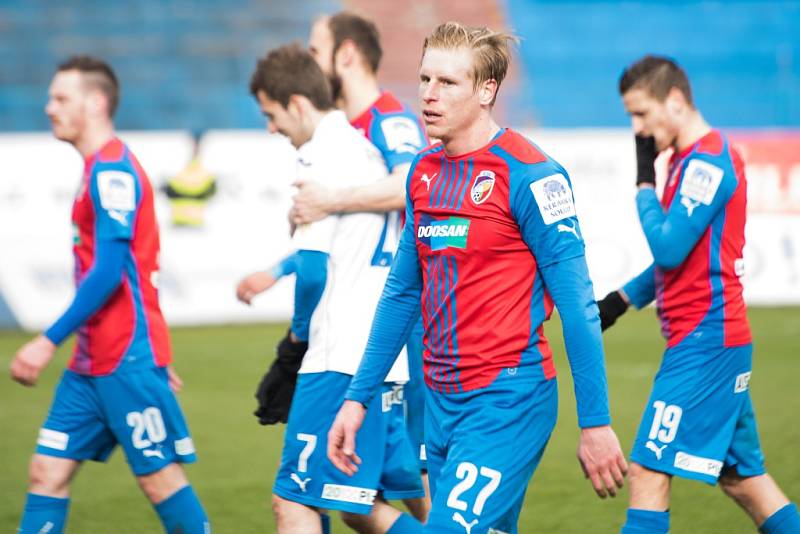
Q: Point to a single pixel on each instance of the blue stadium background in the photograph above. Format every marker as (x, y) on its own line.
(185, 64)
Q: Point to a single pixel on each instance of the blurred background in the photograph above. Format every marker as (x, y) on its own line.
(187, 114)
(184, 68)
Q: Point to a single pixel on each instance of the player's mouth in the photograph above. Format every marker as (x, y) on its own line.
(430, 116)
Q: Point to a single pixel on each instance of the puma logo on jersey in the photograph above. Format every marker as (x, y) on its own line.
(427, 180)
(301, 483)
(690, 205)
(149, 453)
(656, 450)
(118, 216)
(458, 518)
(572, 229)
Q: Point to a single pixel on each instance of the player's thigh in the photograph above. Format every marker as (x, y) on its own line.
(400, 475)
(744, 454)
(75, 427)
(146, 419)
(306, 475)
(492, 453)
(689, 421)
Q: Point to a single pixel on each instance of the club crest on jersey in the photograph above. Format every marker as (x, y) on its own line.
(482, 187)
(439, 234)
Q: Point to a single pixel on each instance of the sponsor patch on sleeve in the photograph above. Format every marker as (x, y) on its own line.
(402, 134)
(554, 198)
(117, 190)
(701, 181)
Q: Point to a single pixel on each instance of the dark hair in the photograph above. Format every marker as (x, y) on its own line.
(346, 26)
(98, 75)
(290, 70)
(657, 75)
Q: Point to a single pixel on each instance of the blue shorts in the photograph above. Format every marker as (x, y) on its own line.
(414, 392)
(483, 447)
(699, 420)
(388, 463)
(90, 415)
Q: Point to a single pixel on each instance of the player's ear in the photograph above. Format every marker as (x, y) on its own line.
(676, 101)
(487, 91)
(96, 103)
(346, 53)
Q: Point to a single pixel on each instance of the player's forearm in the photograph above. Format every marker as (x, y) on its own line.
(387, 194)
(312, 273)
(93, 292)
(395, 317)
(641, 290)
(571, 288)
(670, 241)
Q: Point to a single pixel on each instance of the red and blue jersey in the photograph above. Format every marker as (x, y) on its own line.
(483, 302)
(393, 129)
(489, 237)
(696, 235)
(115, 203)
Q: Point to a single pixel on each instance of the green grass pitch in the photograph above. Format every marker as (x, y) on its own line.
(237, 458)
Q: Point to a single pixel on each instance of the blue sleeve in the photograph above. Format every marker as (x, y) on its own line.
(399, 137)
(543, 205)
(641, 290)
(100, 281)
(397, 313)
(571, 289)
(703, 192)
(285, 267)
(544, 208)
(312, 272)
(115, 194)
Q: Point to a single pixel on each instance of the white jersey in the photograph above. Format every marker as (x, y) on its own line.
(360, 248)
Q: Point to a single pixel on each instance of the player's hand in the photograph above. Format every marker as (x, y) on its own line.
(342, 437)
(276, 389)
(612, 306)
(31, 359)
(602, 460)
(253, 284)
(646, 160)
(175, 381)
(312, 202)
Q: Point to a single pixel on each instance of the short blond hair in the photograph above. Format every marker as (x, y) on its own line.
(491, 49)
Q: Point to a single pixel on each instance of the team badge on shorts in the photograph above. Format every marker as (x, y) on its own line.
(482, 188)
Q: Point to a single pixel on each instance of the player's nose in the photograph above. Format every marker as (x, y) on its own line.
(638, 126)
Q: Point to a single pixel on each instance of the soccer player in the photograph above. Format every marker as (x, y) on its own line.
(117, 387)
(699, 422)
(490, 242)
(335, 299)
(348, 49)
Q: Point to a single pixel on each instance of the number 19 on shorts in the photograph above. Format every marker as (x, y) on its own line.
(665, 421)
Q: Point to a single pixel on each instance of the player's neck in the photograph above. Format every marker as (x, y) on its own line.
(695, 128)
(478, 135)
(359, 92)
(94, 138)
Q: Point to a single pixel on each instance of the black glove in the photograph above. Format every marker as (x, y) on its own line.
(645, 160)
(611, 307)
(276, 389)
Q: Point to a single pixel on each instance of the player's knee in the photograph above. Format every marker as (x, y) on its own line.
(357, 522)
(47, 477)
(733, 485)
(162, 484)
(647, 481)
(280, 507)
